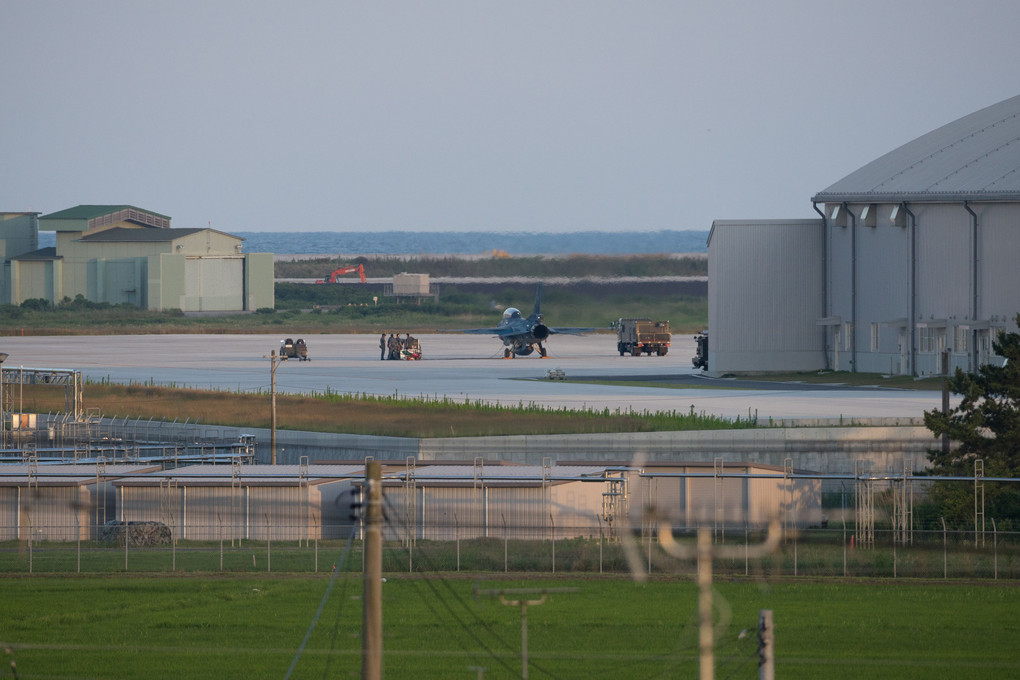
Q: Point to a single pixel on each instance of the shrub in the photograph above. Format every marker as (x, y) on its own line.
(37, 304)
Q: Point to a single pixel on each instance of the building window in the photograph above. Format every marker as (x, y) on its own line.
(874, 337)
(926, 340)
(961, 339)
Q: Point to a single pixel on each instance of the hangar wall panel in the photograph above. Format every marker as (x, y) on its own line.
(166, 282)
(765, 296)
(259, 281)
(999, 253)
(34, 279)
(213, 284)
(119, 281)
(883, 290)
(943, 262)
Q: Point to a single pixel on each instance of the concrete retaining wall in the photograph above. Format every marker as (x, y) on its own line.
(830, 450)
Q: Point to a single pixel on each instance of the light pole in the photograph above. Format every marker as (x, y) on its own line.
(3, 427)
(523, 604)
(274, 361)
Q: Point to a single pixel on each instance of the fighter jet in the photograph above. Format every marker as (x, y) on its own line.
(522, 335)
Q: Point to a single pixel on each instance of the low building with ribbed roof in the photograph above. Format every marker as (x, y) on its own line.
(124, 254)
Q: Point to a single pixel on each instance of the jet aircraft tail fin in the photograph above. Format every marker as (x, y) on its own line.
(538, 302)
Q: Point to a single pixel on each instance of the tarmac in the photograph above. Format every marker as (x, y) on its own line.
(459, 367)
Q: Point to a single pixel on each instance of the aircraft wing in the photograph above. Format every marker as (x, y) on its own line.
(502, 332)
(573, 331)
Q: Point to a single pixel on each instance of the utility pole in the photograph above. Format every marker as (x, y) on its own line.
(704, 552)
(371, 634)
(273, 363)
(3, 428)
(945, 397)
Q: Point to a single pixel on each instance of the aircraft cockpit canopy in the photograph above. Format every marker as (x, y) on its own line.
(511, 313)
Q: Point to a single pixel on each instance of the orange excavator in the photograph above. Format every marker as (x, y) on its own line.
(349, 269)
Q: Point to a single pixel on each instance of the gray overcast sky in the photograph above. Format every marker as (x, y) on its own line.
(452, 116)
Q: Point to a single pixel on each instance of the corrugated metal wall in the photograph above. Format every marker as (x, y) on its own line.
(732, 502)
(999, 239)
(48, 513)
(202, 512)
(564, 509)
(765, 295)
(214, 284)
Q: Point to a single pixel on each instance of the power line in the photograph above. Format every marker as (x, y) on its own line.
(322, 603)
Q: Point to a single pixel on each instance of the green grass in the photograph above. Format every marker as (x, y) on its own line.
(253, 626)
(369, 414)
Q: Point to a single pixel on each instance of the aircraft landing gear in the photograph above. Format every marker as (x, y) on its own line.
(507, 354)
(541, 351)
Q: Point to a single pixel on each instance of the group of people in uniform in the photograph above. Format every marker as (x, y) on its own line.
(396, 347)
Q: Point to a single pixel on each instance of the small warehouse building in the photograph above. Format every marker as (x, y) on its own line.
(726, 495)
(121, 254)
(449, 501)
(909, 268)
(59, 502)
(257, 502)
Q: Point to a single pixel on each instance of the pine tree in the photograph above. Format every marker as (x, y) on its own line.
(985, 425)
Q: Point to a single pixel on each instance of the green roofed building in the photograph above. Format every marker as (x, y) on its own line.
(123, 254)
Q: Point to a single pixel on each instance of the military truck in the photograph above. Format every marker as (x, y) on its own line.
(634, 336)
(289, 349)
(700, 359)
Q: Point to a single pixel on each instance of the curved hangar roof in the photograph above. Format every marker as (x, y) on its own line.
(974, 158)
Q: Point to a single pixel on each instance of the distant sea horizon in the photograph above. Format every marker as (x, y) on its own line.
(349, 243)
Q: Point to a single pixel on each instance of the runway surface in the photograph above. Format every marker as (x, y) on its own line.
(462, 367)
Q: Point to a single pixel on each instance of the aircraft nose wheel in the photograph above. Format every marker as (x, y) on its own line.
(506, 353)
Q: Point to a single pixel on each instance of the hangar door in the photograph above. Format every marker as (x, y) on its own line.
(213, 284)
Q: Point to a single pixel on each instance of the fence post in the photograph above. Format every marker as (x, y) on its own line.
(894, 555)
(995, 550)
(77, 533)
(794, 554)
(552, 528)
(269, 544)
(945, 549)
(173, 544)
(219, 528)
(599, 519)
(505, 541)
(456, 536)
(31, 530)
(649, 552)
(844, 543)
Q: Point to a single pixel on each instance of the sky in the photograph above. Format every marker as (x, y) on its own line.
(433, 115)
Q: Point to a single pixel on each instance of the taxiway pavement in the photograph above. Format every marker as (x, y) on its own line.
(460, 367)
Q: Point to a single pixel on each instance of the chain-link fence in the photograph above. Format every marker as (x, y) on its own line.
(153, 547)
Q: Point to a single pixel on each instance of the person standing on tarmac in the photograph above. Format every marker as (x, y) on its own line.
(382, 347)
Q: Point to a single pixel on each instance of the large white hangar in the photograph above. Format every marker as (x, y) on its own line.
(912, 261)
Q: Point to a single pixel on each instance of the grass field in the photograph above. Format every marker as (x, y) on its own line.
(252, 627)
(364, 414)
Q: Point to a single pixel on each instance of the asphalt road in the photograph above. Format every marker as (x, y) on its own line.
(462, 367)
